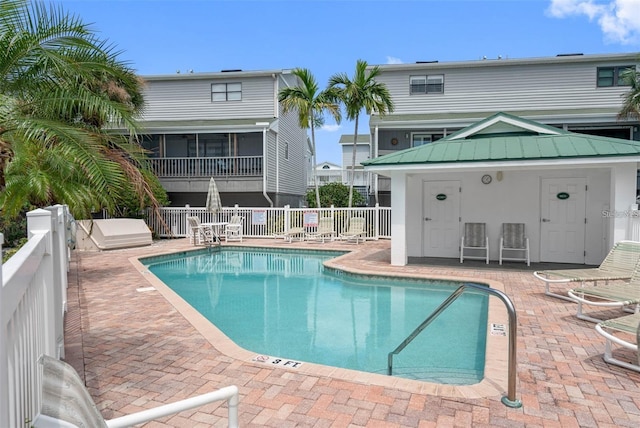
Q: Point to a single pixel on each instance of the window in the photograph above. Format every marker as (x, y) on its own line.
(226, 92)
(421, 139)
(432, 84)
(612, 76)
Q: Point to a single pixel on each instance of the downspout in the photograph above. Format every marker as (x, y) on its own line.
(374, 148)
(264, 167)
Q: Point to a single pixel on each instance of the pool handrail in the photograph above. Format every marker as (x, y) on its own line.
(510, 400)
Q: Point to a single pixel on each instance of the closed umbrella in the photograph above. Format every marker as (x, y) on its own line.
(213, 198)
(213, 206)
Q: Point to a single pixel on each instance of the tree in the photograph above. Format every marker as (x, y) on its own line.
(357, 94)
(631, 105)
(336, 194)
(311, 104)
(59, 86)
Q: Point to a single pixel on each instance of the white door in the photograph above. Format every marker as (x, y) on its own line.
(562, 217)
(441, 218)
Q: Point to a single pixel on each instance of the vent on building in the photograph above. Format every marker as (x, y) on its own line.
(426, 62)
(230, 71)
(570, 54)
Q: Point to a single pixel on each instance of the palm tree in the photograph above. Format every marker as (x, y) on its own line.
(310, 103)
(361, 93)
(631, 105)
(59, 86)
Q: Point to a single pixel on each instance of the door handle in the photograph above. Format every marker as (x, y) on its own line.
(427, 219)
(546, 220)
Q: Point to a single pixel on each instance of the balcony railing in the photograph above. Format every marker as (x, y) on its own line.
(240, 166)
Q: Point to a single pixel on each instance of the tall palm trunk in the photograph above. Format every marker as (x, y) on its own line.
(353, 163)
(314, 160)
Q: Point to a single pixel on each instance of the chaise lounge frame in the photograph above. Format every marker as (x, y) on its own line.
(618, 265)
(627, 324)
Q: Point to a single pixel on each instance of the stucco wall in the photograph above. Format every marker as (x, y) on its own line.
(515, 199)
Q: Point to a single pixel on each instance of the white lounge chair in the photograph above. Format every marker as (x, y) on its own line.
(66, 402)
(618, 294)
(199, 233)
(233, 229)
(630, 326)
(514, 243)
(355, 231)
(475, 239)
(618, 265)
(325, 230)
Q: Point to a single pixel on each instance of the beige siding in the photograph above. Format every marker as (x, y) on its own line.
(505, 88)
(190, 99)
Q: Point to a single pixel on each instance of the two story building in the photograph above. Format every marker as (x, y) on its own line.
(533, 141)
(575, 92)
(230, 126)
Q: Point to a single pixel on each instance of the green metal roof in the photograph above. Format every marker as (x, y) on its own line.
(533, 141)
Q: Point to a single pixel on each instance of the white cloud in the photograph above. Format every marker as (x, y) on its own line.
(619, 20)
(330, 128)
(394, 60)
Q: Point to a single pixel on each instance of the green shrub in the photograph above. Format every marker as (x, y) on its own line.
(336, 194)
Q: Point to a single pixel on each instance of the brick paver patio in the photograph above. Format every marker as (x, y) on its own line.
(136, 351)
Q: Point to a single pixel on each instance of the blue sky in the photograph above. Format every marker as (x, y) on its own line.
(329, 36)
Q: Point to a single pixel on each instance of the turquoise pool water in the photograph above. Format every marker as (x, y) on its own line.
(288, 306)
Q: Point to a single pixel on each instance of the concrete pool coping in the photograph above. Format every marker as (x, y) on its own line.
(494, 384)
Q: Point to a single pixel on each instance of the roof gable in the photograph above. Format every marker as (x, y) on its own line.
(504, 123)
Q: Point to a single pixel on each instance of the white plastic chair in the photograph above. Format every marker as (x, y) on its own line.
(198, 233)
(475, 239)
(514, 240)
(233, 229)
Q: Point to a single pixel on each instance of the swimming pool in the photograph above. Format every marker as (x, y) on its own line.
(286, 305)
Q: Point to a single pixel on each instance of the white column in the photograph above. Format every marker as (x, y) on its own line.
(399, 220)
(623, 195)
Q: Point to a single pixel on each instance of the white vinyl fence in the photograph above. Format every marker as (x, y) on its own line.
(32, 306)
(267, 222)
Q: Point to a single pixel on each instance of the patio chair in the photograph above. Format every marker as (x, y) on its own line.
(514, 240)
(618, 294)
(324, 231)
(355, 230)
(200, 234)
(233, 229)
(618, 265)
(475, 239)
(630, 326)
(66, 402)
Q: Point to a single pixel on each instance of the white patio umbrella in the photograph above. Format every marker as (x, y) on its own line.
(213, 198)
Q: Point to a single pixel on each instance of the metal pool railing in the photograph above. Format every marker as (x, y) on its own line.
(510, 400)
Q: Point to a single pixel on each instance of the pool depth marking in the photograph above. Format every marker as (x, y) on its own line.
(266, 359)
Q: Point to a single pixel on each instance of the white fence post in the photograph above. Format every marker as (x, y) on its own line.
(4, 365)
(287, 218)
(40, 221)
(60, 265)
